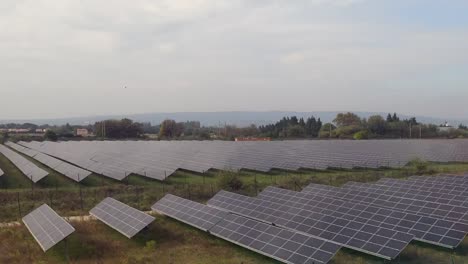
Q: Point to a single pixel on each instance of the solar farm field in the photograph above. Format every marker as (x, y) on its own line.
(254, 202)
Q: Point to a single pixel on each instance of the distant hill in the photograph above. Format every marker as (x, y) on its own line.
(242, 118)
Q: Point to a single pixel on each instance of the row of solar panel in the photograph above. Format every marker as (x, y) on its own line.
(28, 168)
(356, 222)
(118, 159)
(282, 244)
(48, 228)
(295, 227)
(75, 173)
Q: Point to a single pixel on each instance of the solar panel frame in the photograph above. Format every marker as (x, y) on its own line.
(44, 219)
(125, 219)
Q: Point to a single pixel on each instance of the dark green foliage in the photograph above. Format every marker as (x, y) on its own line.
(292, 127)
(230, 182)
(50, 135)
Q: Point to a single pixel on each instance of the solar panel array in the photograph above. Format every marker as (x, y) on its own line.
(358, 235)
(73, 172)
(47, 227)
(441, 205)
(159, 159)
(425, 229)
(28, 168)
(429, 218)
(123, 218)
(281, 244)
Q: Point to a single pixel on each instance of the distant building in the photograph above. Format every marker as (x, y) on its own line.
(40, 130)
(18, 130)
(82, 132)
(252, 139)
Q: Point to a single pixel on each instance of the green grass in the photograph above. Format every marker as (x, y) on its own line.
(174, 242)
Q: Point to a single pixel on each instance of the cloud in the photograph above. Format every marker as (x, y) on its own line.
(208, 55)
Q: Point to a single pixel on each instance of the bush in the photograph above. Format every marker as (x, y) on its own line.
(421, 166)
(363, 134)
(50, 135)
(230, 181)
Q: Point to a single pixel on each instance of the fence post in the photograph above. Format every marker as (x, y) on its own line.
(256, 190)
(19, 205)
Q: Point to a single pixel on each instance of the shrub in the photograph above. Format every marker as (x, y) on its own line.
(363, 134)
(230, 181)
(421, 166)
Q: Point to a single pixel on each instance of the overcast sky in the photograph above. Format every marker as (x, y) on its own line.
(61, 58)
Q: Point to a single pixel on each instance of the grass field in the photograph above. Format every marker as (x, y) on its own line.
(166, 240)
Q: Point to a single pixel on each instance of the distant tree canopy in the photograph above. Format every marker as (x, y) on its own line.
(50, 135)
(292, 127)
(347, 119)
(170, 129)
(344, 126)
(118, 129)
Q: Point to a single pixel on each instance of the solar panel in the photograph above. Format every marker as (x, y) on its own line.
(284, 245)
(377, 241)
(417, 202)
(434, 187)
(160, 159)
(47, 227)
(121, 217)
(426, 192)
(28, 168)
(446, 179)
(192, 213)
(75, 173)
(425, 229)
(280, 244)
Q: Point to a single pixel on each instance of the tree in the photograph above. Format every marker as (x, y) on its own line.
(376, 125)
(295, 131)
(50, 135)
(327, 131)
(395, 118)
(118, 129)
(171, 129)
(389, 118)
(347, 119)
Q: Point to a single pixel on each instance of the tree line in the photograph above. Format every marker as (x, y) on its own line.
(344, 126)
